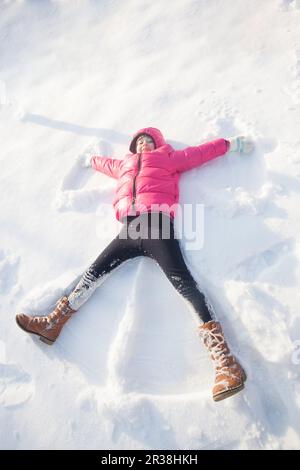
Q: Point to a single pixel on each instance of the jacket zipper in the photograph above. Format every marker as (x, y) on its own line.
(133, 183)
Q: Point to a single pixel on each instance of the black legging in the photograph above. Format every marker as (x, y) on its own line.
(149, 235)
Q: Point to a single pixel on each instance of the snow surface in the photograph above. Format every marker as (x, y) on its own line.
(128, 371)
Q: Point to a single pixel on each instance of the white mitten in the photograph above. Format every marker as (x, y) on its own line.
(84, 160)
(241, 144)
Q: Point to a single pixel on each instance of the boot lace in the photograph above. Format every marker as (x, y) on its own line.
(55, 317)
(215, 342)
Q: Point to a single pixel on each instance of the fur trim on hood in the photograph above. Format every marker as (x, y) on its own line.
(156, 135)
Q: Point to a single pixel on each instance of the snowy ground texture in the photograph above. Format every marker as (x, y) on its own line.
(129, 371)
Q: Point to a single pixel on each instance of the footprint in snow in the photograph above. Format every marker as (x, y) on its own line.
(287, 5)
(272, 405)
(9, 265)
(9, 108)
(253, 267)
(16, 386)
(140, 419)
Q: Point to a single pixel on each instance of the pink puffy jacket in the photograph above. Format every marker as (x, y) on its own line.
(148, 180)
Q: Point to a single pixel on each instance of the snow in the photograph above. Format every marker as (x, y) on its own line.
(129, 371)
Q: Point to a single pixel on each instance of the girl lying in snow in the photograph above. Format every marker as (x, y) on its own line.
(147, 179)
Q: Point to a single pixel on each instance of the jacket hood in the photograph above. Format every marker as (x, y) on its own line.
(152, 132)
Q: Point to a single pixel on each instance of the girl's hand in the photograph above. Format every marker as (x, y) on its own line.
(241, 144)
(84, 160)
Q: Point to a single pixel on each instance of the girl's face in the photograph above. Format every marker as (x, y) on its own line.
(144, 144)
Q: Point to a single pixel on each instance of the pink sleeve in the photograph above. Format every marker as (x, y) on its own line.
(108, 166)
(191, 157)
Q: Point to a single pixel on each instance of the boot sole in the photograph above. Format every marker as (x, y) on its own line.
(41, 338)
(228, 393)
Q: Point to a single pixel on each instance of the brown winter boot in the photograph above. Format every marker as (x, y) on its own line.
(230, 376)
(47, 327)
